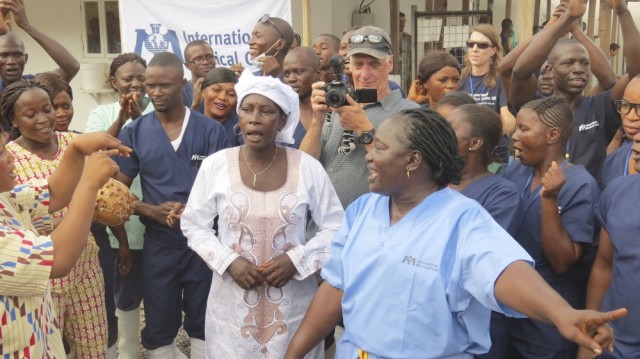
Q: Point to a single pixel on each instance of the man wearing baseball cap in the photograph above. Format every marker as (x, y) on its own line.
(342, 152)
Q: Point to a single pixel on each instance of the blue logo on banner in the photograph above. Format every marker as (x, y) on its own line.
(157, 42)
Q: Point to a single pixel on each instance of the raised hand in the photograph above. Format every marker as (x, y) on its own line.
(618, 6)
(552, 181)
(577, 8)
(88, 143)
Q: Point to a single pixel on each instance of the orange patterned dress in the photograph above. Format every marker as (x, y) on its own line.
(78, 298)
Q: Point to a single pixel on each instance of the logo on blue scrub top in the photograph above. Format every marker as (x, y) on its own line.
(157, 42)
(409, 260)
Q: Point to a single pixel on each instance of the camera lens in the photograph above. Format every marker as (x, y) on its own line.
(335, 98)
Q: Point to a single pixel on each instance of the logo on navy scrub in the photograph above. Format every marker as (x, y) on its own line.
(196, 160)
(588, 126)
(157, 42)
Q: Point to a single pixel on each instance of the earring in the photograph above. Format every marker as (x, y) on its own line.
(236, 129)
(408, 174)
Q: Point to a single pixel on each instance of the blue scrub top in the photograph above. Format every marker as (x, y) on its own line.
(616, 164)
(167, 174)
(575, 203)
(500, 198)
(423, 287)
(619, 214)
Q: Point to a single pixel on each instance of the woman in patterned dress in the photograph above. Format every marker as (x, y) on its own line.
(78, 297)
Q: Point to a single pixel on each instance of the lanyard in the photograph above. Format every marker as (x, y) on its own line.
(471, 86)
(528, 184)
(626, 164)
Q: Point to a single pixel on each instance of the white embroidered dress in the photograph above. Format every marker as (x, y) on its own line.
(259, 226)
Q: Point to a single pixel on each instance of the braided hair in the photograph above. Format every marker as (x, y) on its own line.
(123, 59)
(431, 134)
(486, 124)
(554, 112)
(8, 100)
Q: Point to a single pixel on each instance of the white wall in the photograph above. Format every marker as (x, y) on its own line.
(61, 19)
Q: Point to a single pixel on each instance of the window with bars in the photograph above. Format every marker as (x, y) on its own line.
(101, 28)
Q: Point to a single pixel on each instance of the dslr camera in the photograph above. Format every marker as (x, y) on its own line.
(337, 90)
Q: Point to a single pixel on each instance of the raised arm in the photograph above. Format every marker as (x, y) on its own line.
(520, 287)
(312, 141)
(63, 181)
(70, 236)
(536, 53)
(630, 36)
(68, 65)
(600, 66)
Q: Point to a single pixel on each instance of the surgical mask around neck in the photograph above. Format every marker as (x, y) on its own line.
(255, 63)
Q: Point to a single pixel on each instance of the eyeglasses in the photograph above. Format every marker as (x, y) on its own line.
(623, 107)
(481, 45)
(199, 60)
(373, 39)
(267, 19)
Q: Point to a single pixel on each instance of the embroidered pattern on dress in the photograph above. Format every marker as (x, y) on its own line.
(261, 223)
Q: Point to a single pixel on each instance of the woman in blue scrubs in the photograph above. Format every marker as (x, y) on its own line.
(620, 162)
(558, 219)
(478, 131)
(614, 277)
(417, 267)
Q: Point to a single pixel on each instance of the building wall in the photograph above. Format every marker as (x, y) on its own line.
(61, 19)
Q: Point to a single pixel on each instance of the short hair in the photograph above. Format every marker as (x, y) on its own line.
(12, 36)
(486, 124)
(431, 134)
(457, 99)
(286, 30)
(506, 22)
(613, 46)
(8, 100)
(433, 62)
(167, 59)
(308, 53)
(557, 48)
(54, 84)
(553, 112)
(193, 44)
(335, 41)
(123, 59)
(219, 75)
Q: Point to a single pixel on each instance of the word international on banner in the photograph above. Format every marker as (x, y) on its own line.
(153, 26)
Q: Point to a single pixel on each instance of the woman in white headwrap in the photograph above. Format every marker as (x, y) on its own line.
(262, 193)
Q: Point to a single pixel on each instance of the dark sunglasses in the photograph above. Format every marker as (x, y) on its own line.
(481, 45)
(266, 19)
(623, 107)
(373, 39)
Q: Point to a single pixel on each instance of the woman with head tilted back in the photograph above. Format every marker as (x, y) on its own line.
(263, 266)
(220, 100)
(32, 251)
(38, 150)
(558, 218)
(478, 130)
(417, 267)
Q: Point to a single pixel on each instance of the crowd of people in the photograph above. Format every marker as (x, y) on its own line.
(489, 213)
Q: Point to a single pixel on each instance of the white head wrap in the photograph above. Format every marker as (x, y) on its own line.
(276, 91)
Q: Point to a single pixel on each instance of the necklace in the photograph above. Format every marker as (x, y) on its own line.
(255, 175)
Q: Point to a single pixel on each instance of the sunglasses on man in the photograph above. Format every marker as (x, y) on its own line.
(372, 39)
(266, 19)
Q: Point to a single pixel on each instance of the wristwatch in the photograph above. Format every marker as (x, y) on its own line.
(366, 137)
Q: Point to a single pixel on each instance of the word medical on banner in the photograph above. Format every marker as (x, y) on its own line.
(152, 26)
